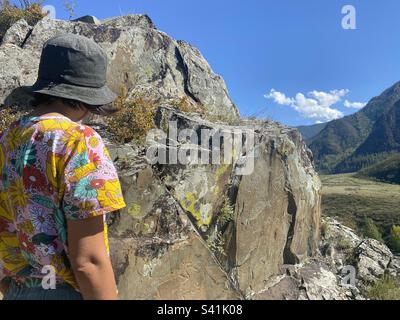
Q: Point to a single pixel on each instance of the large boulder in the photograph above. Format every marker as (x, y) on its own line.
(343, 250)
(313, 281)
(177, 228)
(143, 61)
(373, 259)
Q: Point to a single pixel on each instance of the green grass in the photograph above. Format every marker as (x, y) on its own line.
(351, 199)
(385, 289)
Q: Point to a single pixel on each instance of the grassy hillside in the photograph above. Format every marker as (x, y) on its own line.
(385, 171)
(352, 199)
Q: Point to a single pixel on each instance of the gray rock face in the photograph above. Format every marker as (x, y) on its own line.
(312, 281)
(373, 259)
(326, 276)
(88, 19)
(17, 34)
(176, 224)
(142, 60)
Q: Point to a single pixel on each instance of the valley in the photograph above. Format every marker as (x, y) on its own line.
(352, 199)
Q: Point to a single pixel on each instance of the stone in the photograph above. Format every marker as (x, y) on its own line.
(372, 259)
(310, 281)
(186, 270)
(179, 206)
(142, 60)
(17, 34)
(88, 19)
(342, 249)
(130, 20)
(338, 243)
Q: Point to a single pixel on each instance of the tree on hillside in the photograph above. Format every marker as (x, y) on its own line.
(394, 239)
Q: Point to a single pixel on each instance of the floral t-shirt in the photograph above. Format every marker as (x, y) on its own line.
(51, 170)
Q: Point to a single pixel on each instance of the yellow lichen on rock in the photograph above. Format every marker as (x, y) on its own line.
(202, 214)
(134, 211)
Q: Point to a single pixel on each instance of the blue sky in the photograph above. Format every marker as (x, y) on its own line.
(296, 47)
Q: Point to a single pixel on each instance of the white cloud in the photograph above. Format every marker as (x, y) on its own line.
(354, 105)
(317, 106)
(279, 98)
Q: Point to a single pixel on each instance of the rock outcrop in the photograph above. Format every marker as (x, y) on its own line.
(190, 230)
(346, 269)
(143, 61)
(341, 248)
(177, 227)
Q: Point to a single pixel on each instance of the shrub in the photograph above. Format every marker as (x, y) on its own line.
(344, 244)
(385, 289)
(216, 243)
(324, 229)
(133, 121)
(226, 213)
(394, 239)
(371, 230)
(31, 11)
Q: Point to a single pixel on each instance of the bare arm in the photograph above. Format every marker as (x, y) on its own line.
(89, 259)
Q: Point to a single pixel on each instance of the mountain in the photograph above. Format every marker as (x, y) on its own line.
(385, 135)
(387, 170)
(356, 141)
(309, 132)
(383, 140)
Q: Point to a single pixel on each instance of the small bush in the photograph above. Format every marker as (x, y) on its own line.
(394, 239)
(344, 244)
(227, 212)
(324, 229)
(133, 121)
(216, 243)
(8, 116)
(385, 289)
(371, 230)
(28, 10)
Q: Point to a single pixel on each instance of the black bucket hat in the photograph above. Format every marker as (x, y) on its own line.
(74, 67)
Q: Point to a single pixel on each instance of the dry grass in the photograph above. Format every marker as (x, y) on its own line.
(134, 119)
(385, 289)
(352, 200)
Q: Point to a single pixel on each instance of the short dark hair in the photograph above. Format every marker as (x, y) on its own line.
(42, 99)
